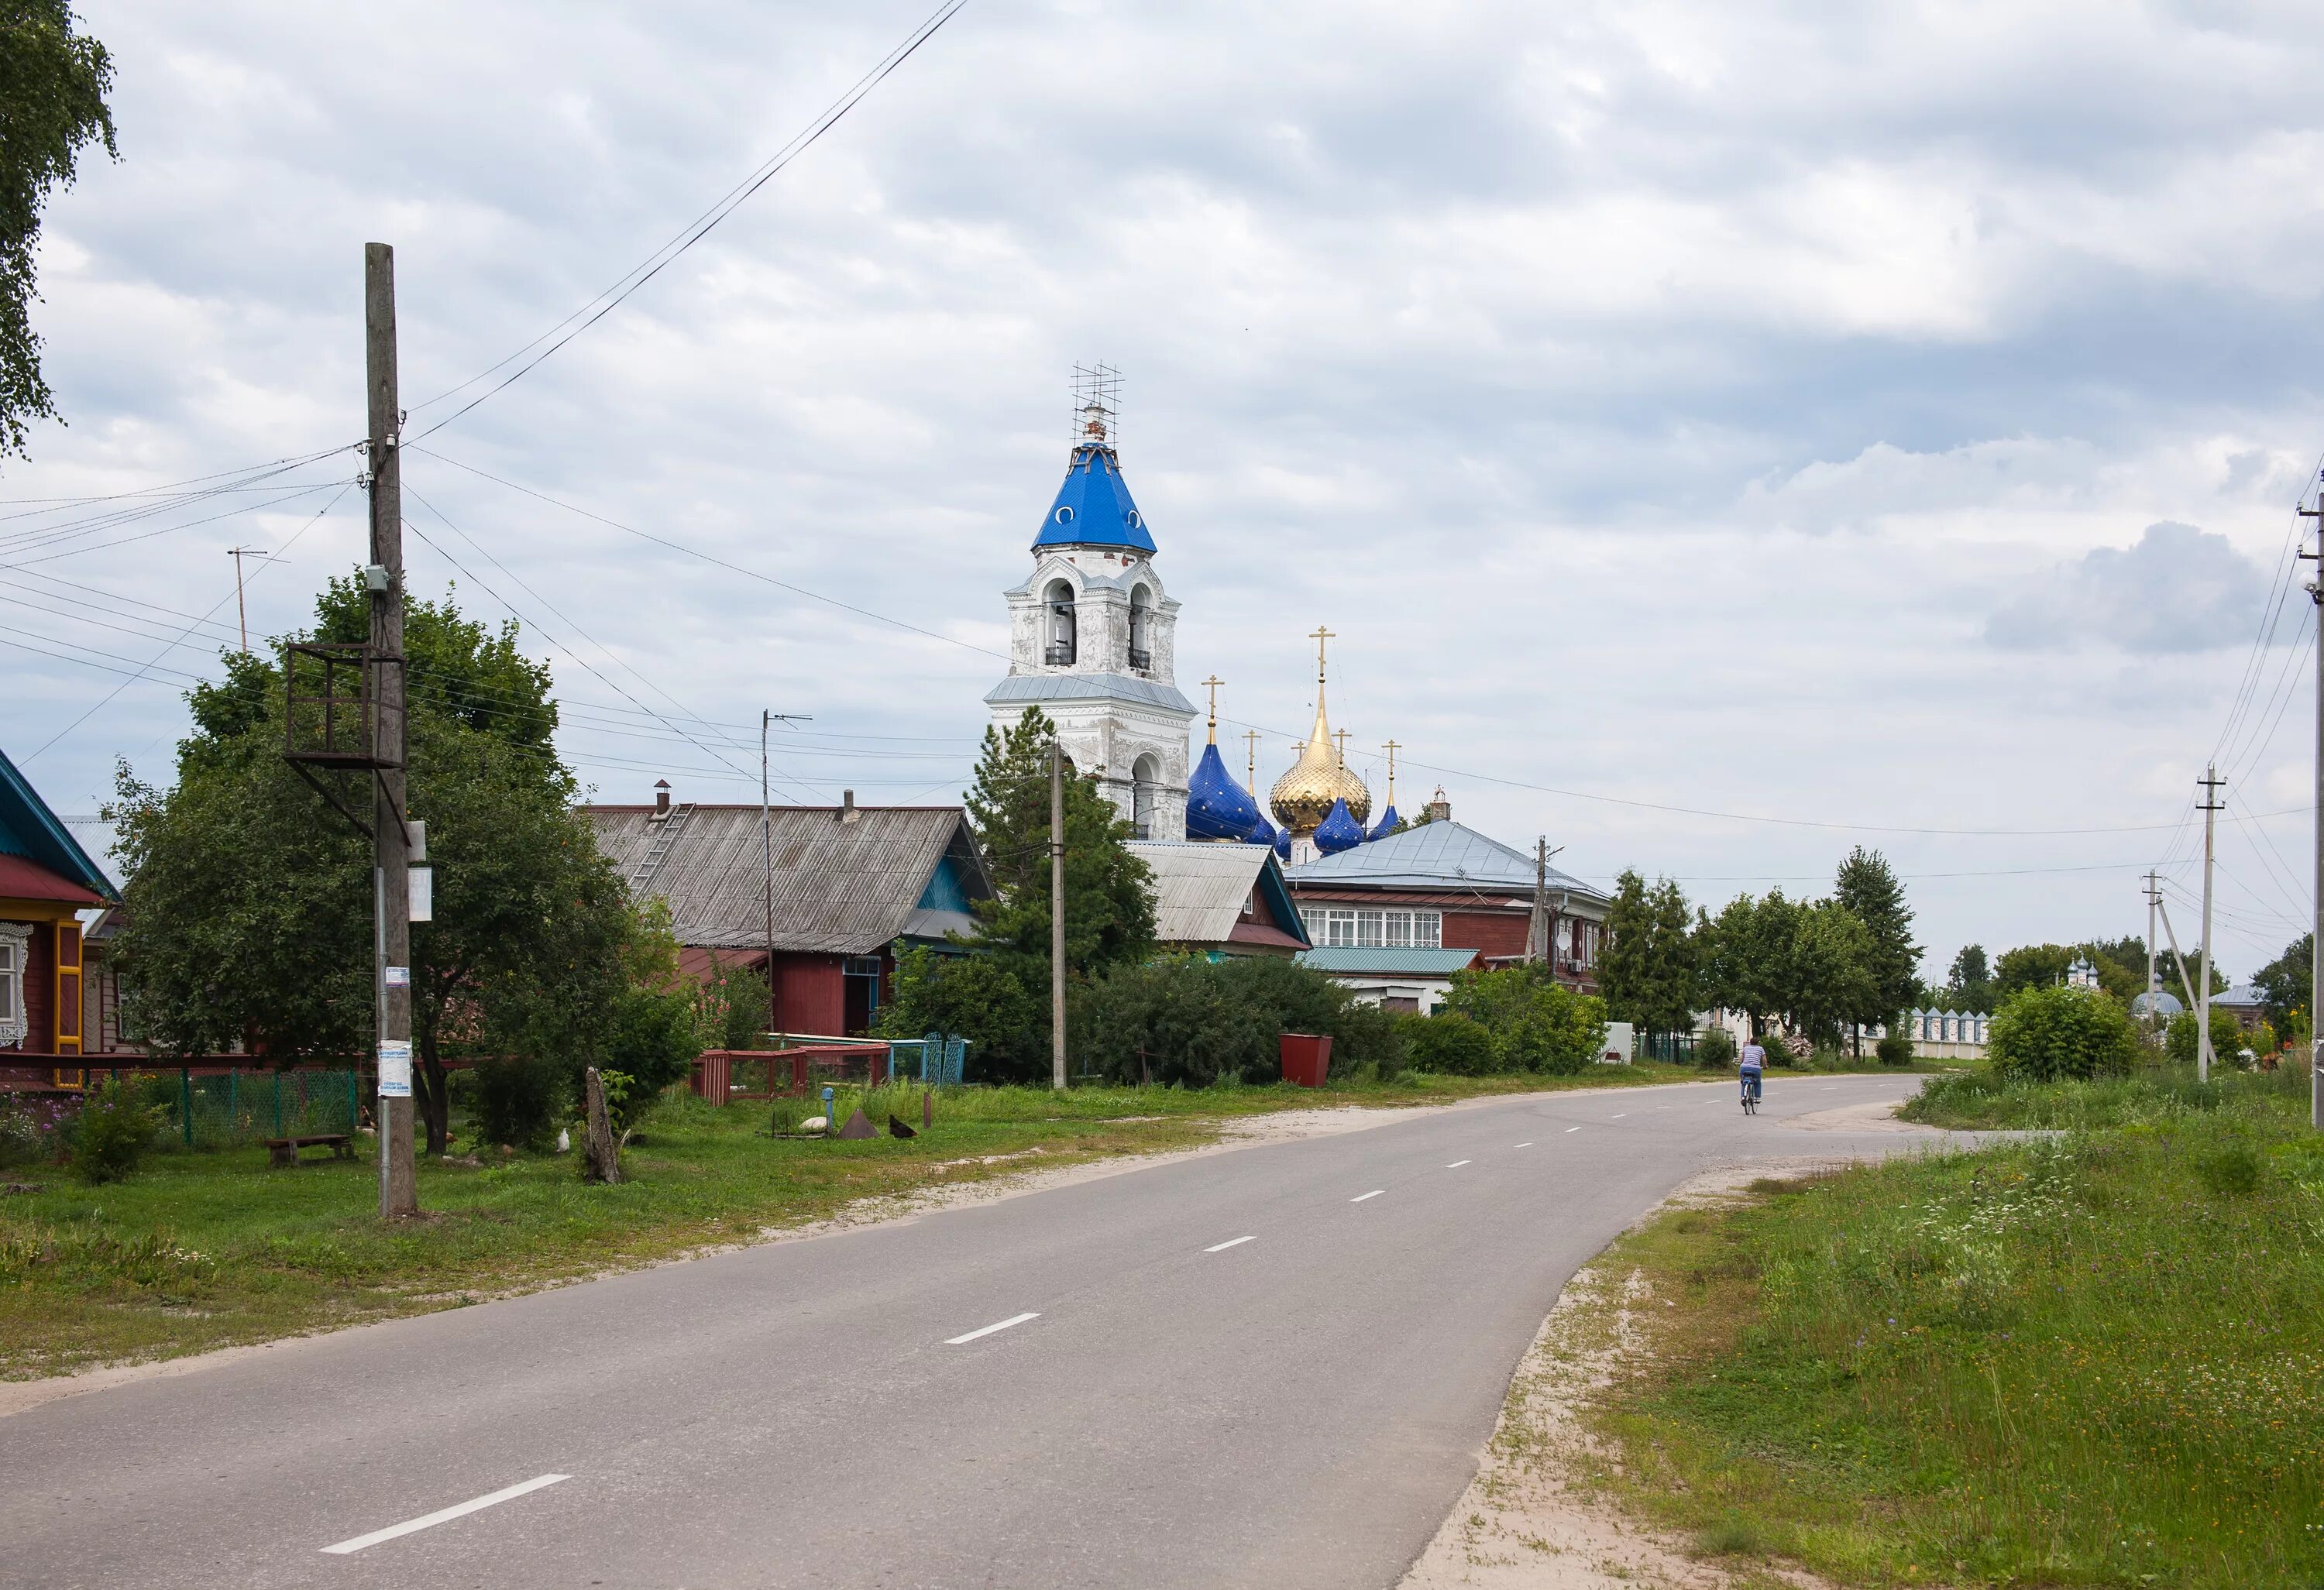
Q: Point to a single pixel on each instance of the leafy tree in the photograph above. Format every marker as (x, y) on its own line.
(1832, 969)
(1002, 1000)
(2167, 971)
(1968, 984)
(53, 86)
(1648, 974)
(1868, 889)
(2032, 966)
(2288, 985)
(2046, 1032)
(1746, 956)
(250, 900)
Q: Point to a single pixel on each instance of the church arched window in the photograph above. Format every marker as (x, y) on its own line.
(1141, 629)
(1145, 776)
(1061, 649)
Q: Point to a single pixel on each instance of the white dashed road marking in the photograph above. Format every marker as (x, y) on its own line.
(1573, 1128)
(954, 1341)
(1375, 1192)
(345, 1548)
(1524, 1145)
(1223, 1247)
(1456, 1164)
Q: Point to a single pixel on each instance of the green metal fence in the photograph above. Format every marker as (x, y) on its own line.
(1671, 1048)
(215, 1110)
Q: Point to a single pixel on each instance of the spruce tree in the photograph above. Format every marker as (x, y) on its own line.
(1867, 888)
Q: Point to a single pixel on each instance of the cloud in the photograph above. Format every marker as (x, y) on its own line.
(2177, 589)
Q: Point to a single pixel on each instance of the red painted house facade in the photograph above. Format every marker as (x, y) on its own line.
(851, 886)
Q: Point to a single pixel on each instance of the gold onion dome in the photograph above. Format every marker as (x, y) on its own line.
(1302, 798)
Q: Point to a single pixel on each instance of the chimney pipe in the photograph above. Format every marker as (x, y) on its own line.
(847, 805)
(661, 797)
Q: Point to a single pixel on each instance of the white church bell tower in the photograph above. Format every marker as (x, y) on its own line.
(1092, 632)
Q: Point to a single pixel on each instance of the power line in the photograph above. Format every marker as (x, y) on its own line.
(694, 232)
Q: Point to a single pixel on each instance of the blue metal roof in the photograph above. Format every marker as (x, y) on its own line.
(30, 830)
(1338, 831)
(1093, 507)
(1436, 855)
(1218, 808)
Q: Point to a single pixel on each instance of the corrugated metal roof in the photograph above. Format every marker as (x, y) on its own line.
(841, 888)
(1366, 959)
(1034, 688)
(1200, 890)
(1435, 855)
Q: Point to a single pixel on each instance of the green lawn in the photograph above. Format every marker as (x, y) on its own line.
(210, 1248)
(2091, 1359)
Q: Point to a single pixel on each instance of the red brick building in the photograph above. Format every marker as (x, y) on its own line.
(1445, 885)
(852, 885)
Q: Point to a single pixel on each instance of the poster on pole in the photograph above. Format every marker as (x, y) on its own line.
(395, 1069)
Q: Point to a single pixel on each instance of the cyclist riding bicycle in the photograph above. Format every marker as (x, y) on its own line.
(1755, 1065)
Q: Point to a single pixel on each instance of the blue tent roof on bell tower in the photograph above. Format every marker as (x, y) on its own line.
(1093, 507)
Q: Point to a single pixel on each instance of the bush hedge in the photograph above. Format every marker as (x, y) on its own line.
(2046, 1034)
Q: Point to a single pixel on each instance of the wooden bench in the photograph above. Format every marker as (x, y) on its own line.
(284, 1151)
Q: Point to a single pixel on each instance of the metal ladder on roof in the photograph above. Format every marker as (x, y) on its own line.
(642, 875)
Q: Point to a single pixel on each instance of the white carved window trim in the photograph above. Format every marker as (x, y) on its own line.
(15, 948)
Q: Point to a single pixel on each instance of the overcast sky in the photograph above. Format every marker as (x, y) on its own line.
(1856, 416)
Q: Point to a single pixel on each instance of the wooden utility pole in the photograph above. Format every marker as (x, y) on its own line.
(398, 1190)
(242, 611)
(2211, 781)
(767, 853)
(1057, 915)
(2154, 898)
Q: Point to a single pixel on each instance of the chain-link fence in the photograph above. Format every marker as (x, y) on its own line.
(216, 1109)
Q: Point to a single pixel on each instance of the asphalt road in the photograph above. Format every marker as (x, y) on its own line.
(1166, 1405)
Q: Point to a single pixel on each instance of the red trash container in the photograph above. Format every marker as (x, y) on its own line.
(1306, 1058)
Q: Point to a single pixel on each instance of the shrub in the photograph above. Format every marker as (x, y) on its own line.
(733, 1008)
(2179, 1041)
(23, 1134)
(1448, 1043)
(111, 1133)
(1896, 1049)
(2045, 1034)
(1715, 1050)
(654, 1040)
(1194, 1022)
(1534, 1025)
(517, 1099)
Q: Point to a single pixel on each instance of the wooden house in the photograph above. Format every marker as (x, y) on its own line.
(47, 881)
(847, 886)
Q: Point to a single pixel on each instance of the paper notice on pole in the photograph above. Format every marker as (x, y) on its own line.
(423, 893)
(395, 1069)
(399, 977)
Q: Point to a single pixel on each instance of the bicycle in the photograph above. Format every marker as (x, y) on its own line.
(1751, 1084)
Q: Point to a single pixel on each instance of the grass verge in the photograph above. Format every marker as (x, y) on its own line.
(206, 1249)
(2092, 1359)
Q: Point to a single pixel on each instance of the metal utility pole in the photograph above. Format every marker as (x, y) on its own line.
(1057, 916)
(2316, 965)
(398, 1191)
(2211, 781)
(241, 611)
(2154, 898)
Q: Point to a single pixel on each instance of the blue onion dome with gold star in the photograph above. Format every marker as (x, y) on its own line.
(1338, 831)
(1093, 507)
(1283, 844)
(1219, 808)
(1385, 826)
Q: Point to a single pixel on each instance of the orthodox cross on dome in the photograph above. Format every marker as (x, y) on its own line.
(1341, 736)
(1320, 636)
(1391, 747)
(1097, 405)
(1251, 739)
(1212, 685)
